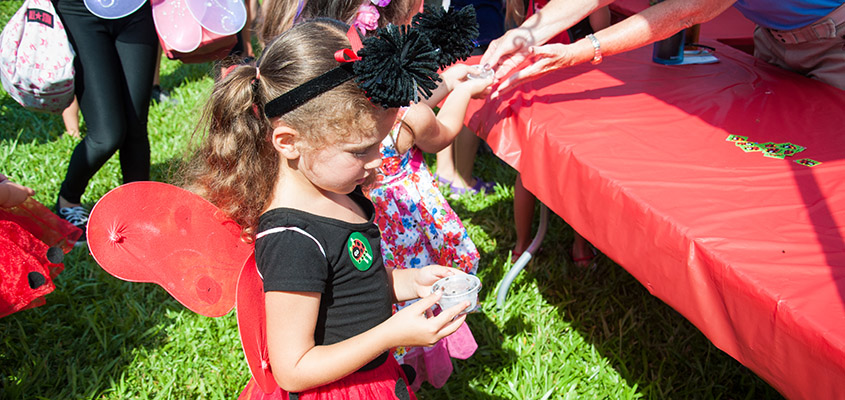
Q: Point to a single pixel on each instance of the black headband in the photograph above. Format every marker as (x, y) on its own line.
(395, 65)
(299, 95)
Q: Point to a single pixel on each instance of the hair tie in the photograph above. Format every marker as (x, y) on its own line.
(299, 8)
(367, 18)
(257, 73)
(228, 70)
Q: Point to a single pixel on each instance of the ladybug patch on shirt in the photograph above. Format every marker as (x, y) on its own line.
(360, 251)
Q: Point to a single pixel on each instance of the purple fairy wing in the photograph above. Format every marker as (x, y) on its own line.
(113, 9)
(223, 17)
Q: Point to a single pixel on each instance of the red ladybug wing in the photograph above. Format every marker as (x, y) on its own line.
(252, 326)
(160, 233)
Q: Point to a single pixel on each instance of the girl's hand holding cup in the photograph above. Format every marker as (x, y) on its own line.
(415, 326)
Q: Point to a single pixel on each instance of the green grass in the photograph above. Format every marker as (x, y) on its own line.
(566, 333)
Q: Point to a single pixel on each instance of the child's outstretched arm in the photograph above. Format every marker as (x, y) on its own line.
(451, 78)
(298, 364)
(12, 194)
(452, 113)
(433, 133)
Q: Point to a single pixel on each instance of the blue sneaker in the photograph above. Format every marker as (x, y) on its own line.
(78, 217)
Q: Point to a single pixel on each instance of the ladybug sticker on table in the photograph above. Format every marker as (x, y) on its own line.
(360, 251)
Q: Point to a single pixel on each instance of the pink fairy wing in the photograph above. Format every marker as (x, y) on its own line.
(252, 326)
(223, 17)
(155, 232)
(175, 25)
(113, 9)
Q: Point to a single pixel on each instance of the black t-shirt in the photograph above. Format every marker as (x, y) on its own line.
(301, 252)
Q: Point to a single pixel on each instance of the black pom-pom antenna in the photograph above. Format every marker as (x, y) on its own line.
(453, 32)
(397, 65)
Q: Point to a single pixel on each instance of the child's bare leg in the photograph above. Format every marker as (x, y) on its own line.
(582, 251)
(455, 162)
(70, 116)
(523, 215)
(446, 163)
(466, 146)
(66, 204)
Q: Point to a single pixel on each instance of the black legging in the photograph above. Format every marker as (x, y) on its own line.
(115, 63)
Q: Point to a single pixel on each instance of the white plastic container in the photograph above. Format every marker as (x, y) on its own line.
(457, 289)
(483, 72)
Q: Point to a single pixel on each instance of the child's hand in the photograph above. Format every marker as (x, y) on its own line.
(456, 74)
(428, 275)
(12, 194)
(413, 325)
(478, 87)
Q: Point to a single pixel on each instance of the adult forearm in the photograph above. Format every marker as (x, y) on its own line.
(652, 24)
(558, 16)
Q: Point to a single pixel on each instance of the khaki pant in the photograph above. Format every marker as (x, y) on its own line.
(817, 50)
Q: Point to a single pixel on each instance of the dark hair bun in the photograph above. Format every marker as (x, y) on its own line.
(453, 32)
(397, 65)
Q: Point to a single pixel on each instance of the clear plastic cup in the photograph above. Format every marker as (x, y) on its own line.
(457, 289)
(484, 72)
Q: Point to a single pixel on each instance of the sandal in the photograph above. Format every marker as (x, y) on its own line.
(479, 187)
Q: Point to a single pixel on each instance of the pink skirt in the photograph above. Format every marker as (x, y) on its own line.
(434, 364)
(386, 381)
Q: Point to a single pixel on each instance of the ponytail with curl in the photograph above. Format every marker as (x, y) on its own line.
(235, 166)
(234, 158)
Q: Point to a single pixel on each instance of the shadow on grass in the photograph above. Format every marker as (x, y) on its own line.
(647, 342)
(26, 126)
(651, 346)
(468, 378)
(185, 73)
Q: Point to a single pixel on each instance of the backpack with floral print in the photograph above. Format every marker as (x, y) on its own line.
(36, 59)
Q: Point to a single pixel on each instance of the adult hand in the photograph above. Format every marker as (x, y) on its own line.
(542, 60)
(507, 52)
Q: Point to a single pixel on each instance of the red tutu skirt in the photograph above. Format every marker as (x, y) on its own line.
(33, 241)
(387, 381)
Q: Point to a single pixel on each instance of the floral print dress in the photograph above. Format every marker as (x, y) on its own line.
(418, 228)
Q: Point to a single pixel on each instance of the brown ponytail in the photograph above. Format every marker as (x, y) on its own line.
(236, 167)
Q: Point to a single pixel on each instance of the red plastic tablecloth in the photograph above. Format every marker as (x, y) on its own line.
(750, 249)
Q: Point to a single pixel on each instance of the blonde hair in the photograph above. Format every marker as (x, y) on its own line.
(278, 16)
(235, 166)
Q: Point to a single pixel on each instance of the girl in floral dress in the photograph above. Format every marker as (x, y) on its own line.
(417, 225)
